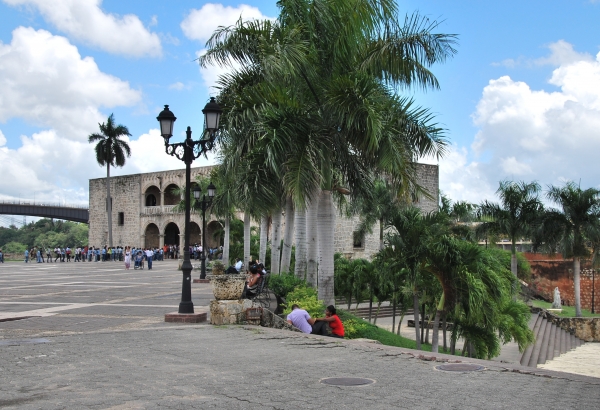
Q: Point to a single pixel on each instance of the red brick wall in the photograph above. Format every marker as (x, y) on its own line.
(549, 272)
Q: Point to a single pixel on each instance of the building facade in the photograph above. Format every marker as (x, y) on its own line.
(143, 212)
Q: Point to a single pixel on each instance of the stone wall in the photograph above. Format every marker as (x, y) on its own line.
(548, 272)
(130, 194)
(585, 328)
(428, 176)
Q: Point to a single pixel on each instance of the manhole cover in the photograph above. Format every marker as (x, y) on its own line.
(460, 367)
(18, 342)
(347, 381)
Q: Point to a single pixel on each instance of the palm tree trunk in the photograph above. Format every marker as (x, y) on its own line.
(394, 315)
(246, 239)
(513, 263)
(436, 326)
(325, 233)
(311, 242)
(275, 241)
(286, 252)
(381, 234)
(377, 312)
(109, 206)
(577, 285)
(416, 317)
(370, 307)
(435, 336)
(227, 229)
(422, 322)
(300, 240)
(264, 233)
(444, 332)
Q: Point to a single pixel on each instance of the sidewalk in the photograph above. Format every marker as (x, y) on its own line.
(111, 349)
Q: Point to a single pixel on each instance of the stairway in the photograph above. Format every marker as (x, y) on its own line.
(550, 341)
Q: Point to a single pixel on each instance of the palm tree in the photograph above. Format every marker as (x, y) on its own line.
(322, 91)
(578, 218)
(516, 214)
(409, 238)
(110, 150)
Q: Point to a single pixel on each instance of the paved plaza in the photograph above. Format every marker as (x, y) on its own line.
(94, 336)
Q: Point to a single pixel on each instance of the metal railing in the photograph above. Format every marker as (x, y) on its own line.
(38, 203)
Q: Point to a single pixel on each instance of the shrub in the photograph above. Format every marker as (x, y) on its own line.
(307, 299)
(283, 284)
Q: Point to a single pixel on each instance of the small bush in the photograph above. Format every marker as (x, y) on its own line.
(283, 284)
(307, 299)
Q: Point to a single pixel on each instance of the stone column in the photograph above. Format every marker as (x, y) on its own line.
(161, 240)
(162, 198)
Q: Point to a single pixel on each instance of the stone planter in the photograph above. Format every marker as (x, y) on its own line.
(227, 287)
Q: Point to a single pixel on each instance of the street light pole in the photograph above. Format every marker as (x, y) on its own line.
(187, 152)
(204, 204)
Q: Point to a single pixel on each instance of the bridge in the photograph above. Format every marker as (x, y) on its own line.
(68, 213)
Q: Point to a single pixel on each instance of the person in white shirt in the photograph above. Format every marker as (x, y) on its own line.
(149, 256)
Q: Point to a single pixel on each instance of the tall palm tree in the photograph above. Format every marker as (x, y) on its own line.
(110, 150)
(324, 76)
(516, 214)
(579, 219)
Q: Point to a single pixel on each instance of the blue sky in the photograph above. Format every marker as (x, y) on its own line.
(520, 100)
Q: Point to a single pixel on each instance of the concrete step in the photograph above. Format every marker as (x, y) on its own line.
(534, 325)
(551, 341)
(556, 351)
(545, 343)
(563, 341)
(535, 355)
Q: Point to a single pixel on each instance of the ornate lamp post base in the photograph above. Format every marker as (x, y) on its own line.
(176, 317)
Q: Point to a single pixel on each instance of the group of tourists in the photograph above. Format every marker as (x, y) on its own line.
(213, 253)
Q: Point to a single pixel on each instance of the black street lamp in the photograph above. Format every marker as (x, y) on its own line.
(187, 152)
(204, 204)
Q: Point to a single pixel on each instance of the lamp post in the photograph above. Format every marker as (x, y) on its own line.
(204, 204)
(187, 152)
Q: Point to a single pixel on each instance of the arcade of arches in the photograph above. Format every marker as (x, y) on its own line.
(155, 197)
(172, 235)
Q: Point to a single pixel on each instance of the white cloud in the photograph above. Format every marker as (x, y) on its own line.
(2, 139)
(39, 167)
(200, 24)
(528, 135)
(561, 53)
(177, 86)
(45, 80)
(85, 21)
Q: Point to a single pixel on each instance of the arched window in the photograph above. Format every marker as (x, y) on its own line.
(150, 200)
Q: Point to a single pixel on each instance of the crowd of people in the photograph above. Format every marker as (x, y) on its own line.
(98, 254)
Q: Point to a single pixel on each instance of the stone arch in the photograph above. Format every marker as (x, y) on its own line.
(211, 228)
(195, 233)
(152, 196)
(152, 236)
(170, 197)
(171, 233)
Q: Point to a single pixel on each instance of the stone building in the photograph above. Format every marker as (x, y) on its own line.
(143, 213)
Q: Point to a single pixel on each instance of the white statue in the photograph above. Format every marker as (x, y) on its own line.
(556, 304)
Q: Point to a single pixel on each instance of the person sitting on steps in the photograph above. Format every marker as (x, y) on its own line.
(331, 319)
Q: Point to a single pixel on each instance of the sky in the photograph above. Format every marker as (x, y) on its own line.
(519, 101)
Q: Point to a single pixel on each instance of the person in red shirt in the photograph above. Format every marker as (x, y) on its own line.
(331, 319)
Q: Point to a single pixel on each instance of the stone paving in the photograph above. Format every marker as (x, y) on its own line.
(105, 345)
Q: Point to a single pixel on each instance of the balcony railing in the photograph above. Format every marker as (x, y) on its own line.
(159, 210)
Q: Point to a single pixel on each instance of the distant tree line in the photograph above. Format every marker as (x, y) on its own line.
(45, 233)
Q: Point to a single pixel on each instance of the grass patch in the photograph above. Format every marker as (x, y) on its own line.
(567, 311)
(356, 328)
